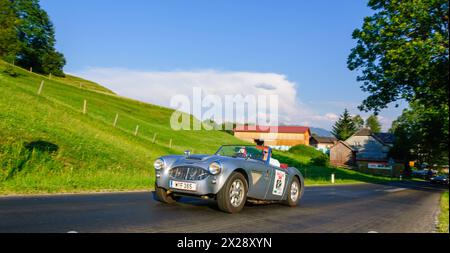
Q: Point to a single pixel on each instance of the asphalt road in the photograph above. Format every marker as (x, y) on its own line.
(399, 207)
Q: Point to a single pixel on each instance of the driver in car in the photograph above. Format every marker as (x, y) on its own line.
(242, 153)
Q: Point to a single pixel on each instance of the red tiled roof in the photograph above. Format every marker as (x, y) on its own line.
(276, 129)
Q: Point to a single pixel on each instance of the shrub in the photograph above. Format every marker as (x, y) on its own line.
(9, 70)
(321, 160)
(305, 151)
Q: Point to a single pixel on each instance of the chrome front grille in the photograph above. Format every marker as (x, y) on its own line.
(188, 173)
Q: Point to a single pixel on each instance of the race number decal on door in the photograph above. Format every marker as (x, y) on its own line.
(278, 185)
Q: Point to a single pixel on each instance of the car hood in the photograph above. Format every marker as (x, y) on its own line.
(199, 160)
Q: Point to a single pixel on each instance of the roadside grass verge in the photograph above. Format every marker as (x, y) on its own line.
(443, 216)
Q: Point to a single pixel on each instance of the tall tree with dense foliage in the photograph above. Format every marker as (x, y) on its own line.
(422, 134)
(373, 124)
(358, 121)
(9, 41)
(36, 36)
(402, 52)
(344, 127)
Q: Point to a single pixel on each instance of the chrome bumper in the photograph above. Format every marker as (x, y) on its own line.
(210, 185)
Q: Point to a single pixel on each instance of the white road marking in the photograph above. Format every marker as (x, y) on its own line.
(72, 232)
(372, 232)
(395, 190)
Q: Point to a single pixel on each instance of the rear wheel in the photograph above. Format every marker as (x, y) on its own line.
(162, 196)
(233, 195)
(294, 193)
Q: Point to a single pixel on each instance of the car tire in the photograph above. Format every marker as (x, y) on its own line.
(233, 195)
(162, 196)
(294, 193)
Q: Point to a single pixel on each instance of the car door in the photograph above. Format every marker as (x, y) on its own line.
(259, 178)
(277, 184)
(278, 181)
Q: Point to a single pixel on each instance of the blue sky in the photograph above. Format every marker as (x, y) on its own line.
(306, 43)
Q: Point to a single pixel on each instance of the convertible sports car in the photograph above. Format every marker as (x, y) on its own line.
(234, 175)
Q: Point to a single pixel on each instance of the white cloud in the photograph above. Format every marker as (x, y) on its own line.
(159, 87)
(386, 122)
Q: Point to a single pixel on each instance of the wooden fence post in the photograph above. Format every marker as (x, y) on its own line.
(50, 76)
(136, 131)
(41, 87)
(31, 69)
(85, 107)
(115, 120)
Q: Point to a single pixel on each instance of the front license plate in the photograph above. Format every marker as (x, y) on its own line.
(183, 186)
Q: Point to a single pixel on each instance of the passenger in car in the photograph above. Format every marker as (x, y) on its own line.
(274, 162)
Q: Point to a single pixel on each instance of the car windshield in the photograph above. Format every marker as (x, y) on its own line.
(236, 151)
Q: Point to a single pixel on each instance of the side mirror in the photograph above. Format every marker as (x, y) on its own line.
(187, 153)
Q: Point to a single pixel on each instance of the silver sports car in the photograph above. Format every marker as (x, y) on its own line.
(234, 175)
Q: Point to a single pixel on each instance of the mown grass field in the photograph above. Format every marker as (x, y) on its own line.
(47, 144)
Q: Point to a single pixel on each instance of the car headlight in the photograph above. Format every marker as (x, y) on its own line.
(215, 168)
(159, 164)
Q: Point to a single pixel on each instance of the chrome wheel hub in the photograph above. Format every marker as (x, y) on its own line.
(294, 191)
(237, 193)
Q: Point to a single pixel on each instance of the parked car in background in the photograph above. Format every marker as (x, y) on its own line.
(424, 174)
(442, 179)
(234, 175)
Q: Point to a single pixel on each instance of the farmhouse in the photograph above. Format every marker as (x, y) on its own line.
(280, 137)
(323, 144)
(364, 148)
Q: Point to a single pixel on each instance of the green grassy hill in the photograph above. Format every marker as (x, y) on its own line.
(47, 144)
(82, 83)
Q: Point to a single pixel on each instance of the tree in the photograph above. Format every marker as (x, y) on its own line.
(421, 133)
(9, 42)
(30, 37)
(358, 121)
(344, 127)
(402, 52)
(373, 124)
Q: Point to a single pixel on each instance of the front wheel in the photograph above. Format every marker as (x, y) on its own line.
(233, 195)
(162, 196)
(294, 193)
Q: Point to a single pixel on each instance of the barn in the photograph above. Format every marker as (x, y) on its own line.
(279, 137)
(364, 148)
(343, 155)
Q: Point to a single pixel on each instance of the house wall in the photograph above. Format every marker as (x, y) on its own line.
(340, 155)
(324, 145)
(275, 139)
(368, 147)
